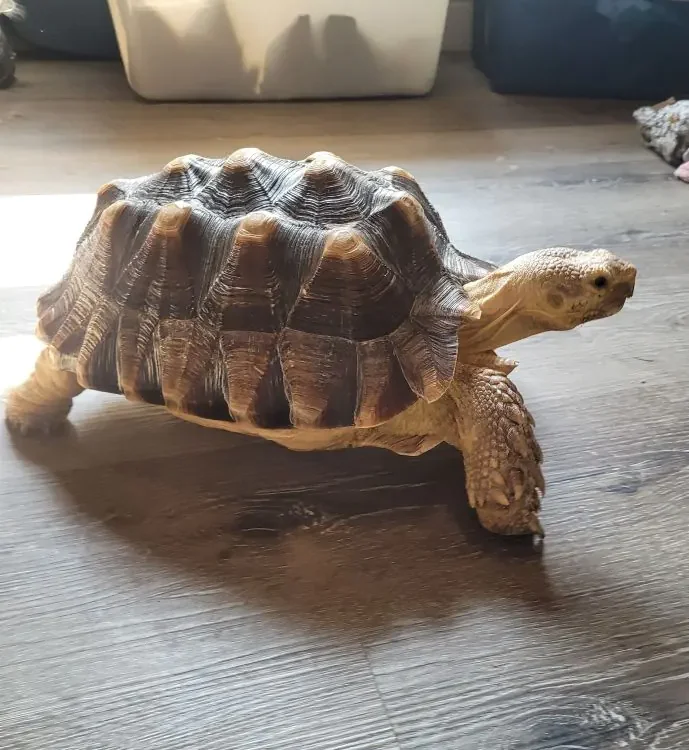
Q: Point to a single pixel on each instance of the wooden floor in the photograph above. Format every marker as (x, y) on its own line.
(166, 587)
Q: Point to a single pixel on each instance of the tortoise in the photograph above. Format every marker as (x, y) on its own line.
(315, 304)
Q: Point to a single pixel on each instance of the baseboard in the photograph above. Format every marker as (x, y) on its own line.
(458, 26)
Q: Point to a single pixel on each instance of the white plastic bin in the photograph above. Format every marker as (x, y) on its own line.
(279, 49)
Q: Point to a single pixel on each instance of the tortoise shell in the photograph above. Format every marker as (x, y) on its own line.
(261, 290)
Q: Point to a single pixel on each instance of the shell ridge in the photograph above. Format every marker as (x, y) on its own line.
(304, 286)
(279, 183)
(399, 232)
(256, 301)
(326, 192)
(402, 180)
(100, 335)
(151, 287)
(285, 382)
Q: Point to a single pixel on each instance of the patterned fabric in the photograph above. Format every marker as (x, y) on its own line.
(664, 128)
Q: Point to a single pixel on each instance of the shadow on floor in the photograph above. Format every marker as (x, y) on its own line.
(353, 540)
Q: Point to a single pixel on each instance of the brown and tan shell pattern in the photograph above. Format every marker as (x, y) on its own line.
(263, 290)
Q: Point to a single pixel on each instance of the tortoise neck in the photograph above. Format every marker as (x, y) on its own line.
(504, 318)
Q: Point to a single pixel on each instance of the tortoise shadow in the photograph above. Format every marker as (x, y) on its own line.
(353, 541)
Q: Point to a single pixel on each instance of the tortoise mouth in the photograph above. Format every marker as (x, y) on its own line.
(625, 289)
(621, 293)
(613, 302)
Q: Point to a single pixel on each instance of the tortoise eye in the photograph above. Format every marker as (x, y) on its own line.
(600, 282)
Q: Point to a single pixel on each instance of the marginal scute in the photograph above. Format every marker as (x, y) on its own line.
(442, 303)
(188, 352)
(96, 367)
(427, 361)
(256, 392)
(383, 388)
(321, 378)
(134, 346)
(54, 307)
(277, 293)
(143, 305)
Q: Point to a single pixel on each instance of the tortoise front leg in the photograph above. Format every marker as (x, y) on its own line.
(42, 403)
(491, 361)
(502, 457)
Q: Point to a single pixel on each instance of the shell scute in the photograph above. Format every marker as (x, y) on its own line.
(370, 299)
(257, 390)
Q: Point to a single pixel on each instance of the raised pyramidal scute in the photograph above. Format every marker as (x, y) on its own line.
(265, 291)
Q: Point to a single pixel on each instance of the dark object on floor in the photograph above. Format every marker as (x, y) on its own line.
(9, 9)
(6, 62)
(624, 49)
(72, 28)
(664, 128)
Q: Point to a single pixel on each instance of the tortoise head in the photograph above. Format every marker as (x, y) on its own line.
(555, 289)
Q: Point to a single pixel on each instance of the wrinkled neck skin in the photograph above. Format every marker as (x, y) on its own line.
(505, 316)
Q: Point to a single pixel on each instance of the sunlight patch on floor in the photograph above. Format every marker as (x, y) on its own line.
(38, 234)
(18, 355)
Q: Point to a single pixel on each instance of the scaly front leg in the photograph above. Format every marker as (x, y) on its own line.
(502, 457)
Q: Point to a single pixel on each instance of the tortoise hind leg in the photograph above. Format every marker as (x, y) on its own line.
(42, 403)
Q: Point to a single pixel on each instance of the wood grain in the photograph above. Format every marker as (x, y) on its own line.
(166, 586)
